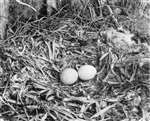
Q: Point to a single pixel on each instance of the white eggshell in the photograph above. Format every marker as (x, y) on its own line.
(87, 72)
(69, 76)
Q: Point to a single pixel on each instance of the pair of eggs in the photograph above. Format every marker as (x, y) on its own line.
(85, 72)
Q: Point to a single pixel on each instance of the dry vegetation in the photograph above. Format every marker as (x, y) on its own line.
(109, 35)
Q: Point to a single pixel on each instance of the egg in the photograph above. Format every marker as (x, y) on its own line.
(87, 72)
(69, 76)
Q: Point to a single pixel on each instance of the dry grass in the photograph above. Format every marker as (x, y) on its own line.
(35, 52)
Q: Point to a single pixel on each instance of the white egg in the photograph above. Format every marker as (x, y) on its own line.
(87, 72)
(69, 76)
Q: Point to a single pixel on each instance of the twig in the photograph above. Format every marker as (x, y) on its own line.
(22, 3)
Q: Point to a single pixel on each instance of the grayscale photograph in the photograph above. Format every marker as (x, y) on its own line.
(74, 60)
